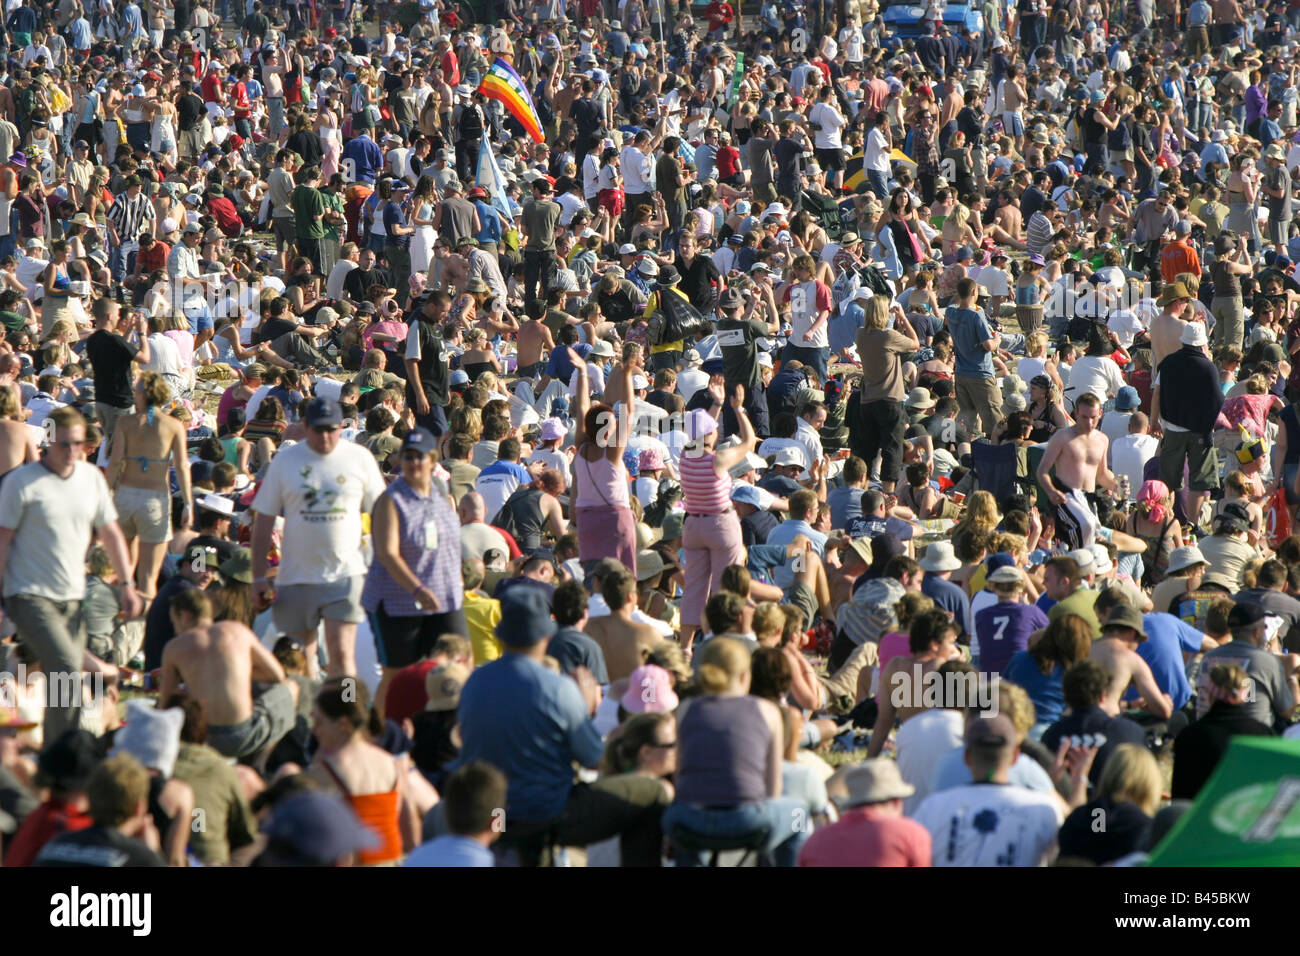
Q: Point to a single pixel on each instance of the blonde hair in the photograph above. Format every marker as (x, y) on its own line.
(62, 327)
(909, 606)
(10, 410)
(1035, 342)
(156, 390)
(876, 312)
(1193, 282)
(1018, 707)
(769, 620)
(981, 511)
(1131, 775)
(722, 660)
(1256, 384)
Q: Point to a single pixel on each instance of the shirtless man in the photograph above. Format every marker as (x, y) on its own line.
(1008, 221)
(218, 663)
(17, 439)
(1079, 454)
(533, 341)
(145, 446)
(855, 559)
(1014, 98)
(1116, 650)
(449, 270)
(933, 641)
(622, 639)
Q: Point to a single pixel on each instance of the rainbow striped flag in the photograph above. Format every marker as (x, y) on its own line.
(502, 83)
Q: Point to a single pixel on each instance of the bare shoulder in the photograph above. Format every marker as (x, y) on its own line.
(232, 631)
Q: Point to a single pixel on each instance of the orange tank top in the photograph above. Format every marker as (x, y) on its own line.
(378, 811)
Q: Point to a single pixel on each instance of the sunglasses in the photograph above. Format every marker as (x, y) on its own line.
(325, 429)
(414, 456)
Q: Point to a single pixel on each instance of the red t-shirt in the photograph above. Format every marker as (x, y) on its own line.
(154, 258)
(211, 88)
(227, 217)
(719, 14)
(728, 160)
(52, 818)
(406, 695)
(243, 108)
(450, 68)
(868, 836)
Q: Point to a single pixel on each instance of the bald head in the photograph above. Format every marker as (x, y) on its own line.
(472, 509)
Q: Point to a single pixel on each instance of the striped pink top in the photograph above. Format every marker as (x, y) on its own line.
(704, 491)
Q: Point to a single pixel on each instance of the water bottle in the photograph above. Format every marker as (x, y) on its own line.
(1124, 488)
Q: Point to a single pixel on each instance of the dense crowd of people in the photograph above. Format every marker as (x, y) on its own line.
(634, 433)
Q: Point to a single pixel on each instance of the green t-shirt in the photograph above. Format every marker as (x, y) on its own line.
(334, 203)
(308, 212)
(1081, 603)
(13, 321)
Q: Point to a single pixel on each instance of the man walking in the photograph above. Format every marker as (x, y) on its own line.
(49, 512)
(320, 486)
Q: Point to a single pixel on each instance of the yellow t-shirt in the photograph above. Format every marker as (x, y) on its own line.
(652, 303)
(483, 614)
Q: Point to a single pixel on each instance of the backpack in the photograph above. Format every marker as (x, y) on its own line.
(875, 280)
(844, 288)
(675, 319)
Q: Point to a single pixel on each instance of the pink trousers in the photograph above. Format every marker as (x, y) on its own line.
(709, 544)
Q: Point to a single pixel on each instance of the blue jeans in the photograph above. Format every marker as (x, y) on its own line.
(787, 816)
(815, 358)
(878, 183)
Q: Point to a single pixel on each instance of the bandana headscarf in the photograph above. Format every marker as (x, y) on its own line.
(1151, 497)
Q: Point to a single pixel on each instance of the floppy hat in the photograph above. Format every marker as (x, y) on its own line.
(1188, 556)
(1124, 616)
(874, 781)
(920, 397)
(1173, 292)
(649, 564)
(649, 689)
(1193, 335)
(238, 567)
(940, 556)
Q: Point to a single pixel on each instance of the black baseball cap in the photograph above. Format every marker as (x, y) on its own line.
(1245, 614)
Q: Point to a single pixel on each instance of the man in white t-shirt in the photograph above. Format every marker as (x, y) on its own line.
(1129, 455)
(691, 378)
(1114, 423)
(992, 823)
(875, 156)
(477, 537)
(49, 512)
(321, 486)
(350, 255)
(827, 124)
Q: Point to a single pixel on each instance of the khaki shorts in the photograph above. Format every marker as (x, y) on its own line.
(144, 513)
(300, 608)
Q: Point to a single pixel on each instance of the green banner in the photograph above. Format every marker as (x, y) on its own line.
(736, 75)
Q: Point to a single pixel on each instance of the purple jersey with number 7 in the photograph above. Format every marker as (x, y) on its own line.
(1004, 629)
